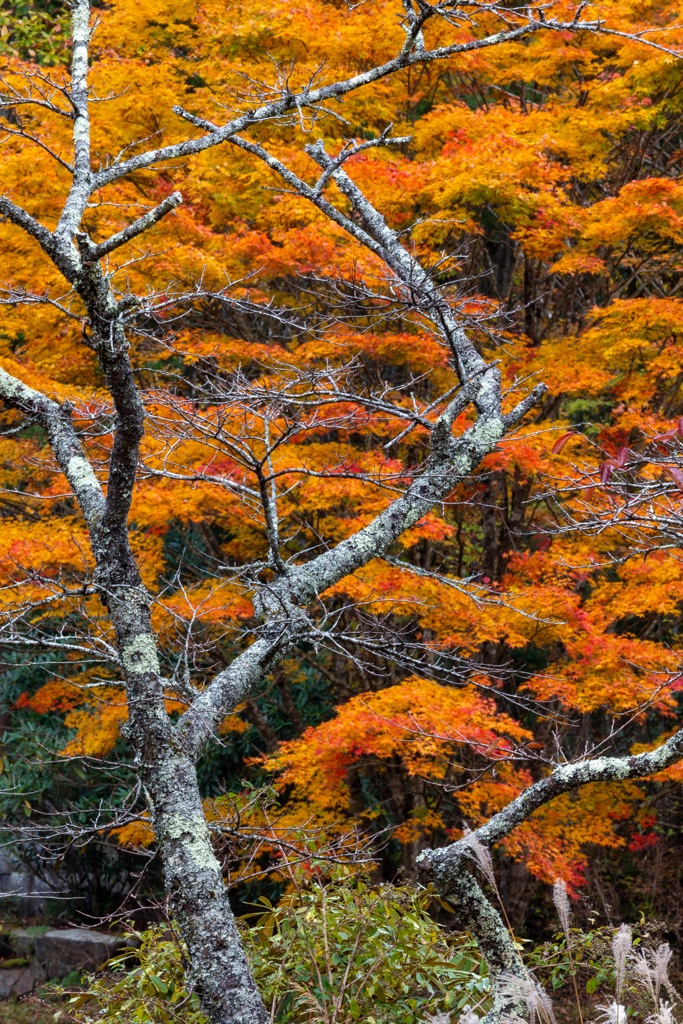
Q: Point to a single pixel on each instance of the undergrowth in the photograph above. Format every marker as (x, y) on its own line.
(347, 951)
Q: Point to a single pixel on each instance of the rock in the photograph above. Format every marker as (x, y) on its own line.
(24, 983)
(55, 952)
(16, 982)
(62, 950)
(7, 980)
(22, 941)
(37, 973)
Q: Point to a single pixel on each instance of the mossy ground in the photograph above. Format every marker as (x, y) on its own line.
(27, 1011)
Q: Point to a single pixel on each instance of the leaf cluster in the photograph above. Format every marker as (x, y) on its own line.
(35, 30)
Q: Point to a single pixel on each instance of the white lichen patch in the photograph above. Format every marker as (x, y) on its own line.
(190, 837)
(595, 769)
(80, 473)
(488, 431)
(140, 655)
(10, 387)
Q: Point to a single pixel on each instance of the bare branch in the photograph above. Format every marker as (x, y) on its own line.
(56, 419)
(563, 779)
(28, 223)
(145, 222)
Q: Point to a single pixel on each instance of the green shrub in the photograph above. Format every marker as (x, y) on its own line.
(344, 951)
(627, 968)
(145, 986)
(356, 952)
(35, 30)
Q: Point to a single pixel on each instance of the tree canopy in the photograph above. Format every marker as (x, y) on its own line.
(292, 390)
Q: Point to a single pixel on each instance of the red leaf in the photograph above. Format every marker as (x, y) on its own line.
(675, 475)
(641, 842)
(606, 471)
(622, 457)
(680, 427)
(561, 442)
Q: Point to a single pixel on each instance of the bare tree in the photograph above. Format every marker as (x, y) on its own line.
(284, 591)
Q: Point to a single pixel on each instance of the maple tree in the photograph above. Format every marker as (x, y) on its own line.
(275, 426)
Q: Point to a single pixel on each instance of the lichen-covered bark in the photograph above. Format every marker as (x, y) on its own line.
(219, 968)
(446, 866)
(192, 875)
(475, 914)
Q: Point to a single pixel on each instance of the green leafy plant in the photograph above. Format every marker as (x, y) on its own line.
(35, 30)
(632, 966)
(589, 957)
(352, 951)
(333, 953)
(145, 985)
(345, 950)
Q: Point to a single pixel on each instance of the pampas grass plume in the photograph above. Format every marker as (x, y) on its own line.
(621, 947)
(561, 901)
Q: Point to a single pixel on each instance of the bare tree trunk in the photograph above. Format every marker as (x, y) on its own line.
(475, 914)
(219, 968)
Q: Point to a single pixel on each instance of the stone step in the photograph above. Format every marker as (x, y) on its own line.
(54, 953)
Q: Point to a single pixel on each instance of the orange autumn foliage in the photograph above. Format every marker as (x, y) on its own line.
(552, 169)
